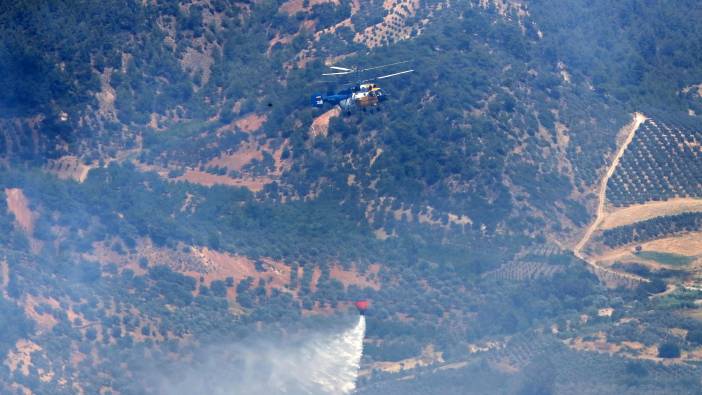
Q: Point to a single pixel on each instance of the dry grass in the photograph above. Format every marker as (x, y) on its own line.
(428, 357)
(689, 244)
(634, 350)
(626, 349)
(626, 256)
(696, 314)
(642, 212)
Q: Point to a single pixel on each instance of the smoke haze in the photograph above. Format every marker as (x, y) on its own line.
(321, 364)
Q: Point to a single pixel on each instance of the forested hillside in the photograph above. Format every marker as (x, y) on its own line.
(166, 186)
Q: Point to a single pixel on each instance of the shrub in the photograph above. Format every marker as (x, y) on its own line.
(669, 350)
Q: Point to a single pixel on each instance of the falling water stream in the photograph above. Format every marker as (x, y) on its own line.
(338, 359)
(323, 363)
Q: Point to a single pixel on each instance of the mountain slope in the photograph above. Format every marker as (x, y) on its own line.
(165, 189)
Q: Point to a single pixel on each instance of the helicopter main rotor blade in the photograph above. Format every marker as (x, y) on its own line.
(340, 68)
(339, 73)
(385, 65)
(393, 75)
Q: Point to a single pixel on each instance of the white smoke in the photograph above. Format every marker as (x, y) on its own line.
(320, 364)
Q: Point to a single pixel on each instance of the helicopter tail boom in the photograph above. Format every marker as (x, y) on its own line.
(317, 100)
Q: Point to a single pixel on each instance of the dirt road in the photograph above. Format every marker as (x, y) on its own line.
(630, 131)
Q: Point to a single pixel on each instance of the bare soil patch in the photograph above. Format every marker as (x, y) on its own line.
(45, 321)
(237, 161)
(332, 29)
(220, 265)
(255, 184)
(18, 205)
(77, 357)
(697, 87)
(195, 61)
(278, 39)
(320, 125)
(5, 273)
(107, 95)
(292, 7)
(378, 152)
(349, 277)
(69, 167)
(353, 277)
(102, 253)
(21, 357)
(251, 123)
(427, 216)
(246, 153)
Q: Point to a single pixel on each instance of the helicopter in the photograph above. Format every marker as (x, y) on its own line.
(364, 93)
